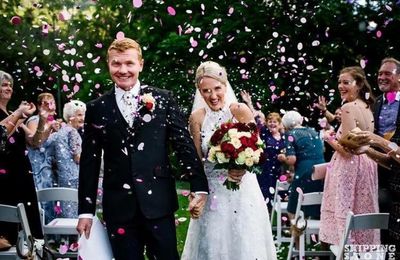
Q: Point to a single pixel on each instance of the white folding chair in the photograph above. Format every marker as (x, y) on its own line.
(279, 207)
(308, 226)
(59, 226)
(357, 222)
(17, 215)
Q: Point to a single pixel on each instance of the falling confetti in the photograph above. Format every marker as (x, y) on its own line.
(137, 3)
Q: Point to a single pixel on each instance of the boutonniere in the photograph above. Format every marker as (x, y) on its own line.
(148, 101)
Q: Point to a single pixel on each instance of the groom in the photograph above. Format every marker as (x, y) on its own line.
(134, 126)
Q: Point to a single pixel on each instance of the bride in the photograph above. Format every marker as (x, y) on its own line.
(234, 224)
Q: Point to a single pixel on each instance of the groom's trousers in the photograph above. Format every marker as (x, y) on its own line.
(158, 236)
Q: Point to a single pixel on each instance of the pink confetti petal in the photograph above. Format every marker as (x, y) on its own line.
(3, 171)
(121, 231)
(98, 45)
(63, 249)
(185, 193)
(282, 178)
(137, 3)
(11, 140)
(79, 64)
(290, 138)
(378, 34)
(120, 35)
(171, 11)
(76, 88)
(64, 16)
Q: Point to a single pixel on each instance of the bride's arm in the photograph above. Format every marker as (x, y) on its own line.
(195, 122)
(241, 112)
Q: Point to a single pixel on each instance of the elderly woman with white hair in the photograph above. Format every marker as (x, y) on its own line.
(303, 150)
(67, 152)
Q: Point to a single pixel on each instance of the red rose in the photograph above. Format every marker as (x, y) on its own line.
(149, 106)
(217, 136)
(227, 149)
(245, 141)
(242, 127)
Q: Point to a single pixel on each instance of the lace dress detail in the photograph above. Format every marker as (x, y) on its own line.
(235, 224)
(350, 184)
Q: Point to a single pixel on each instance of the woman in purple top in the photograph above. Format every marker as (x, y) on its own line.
(270, 134)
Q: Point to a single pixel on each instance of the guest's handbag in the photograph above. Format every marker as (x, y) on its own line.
(97, 246)
(319, 171)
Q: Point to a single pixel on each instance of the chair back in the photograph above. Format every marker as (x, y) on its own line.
(359, 222)
(280, 186)
(57, 194)
(12, 214)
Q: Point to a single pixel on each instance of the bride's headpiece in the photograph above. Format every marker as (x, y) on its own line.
(213, 70)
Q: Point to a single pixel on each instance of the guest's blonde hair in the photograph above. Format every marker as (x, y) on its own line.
(213, 70)
(274, 115)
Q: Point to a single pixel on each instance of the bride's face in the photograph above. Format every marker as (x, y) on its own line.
(213, 92)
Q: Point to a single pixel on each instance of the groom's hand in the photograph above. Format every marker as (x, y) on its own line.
(84, 225)
(196, 204)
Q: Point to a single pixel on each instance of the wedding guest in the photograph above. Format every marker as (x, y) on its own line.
(135, 125)
(16, 180)
(351, 182)
(387, 123)
(235, 224)
(303, 151)
(68, 146)
(387, 154)
(272, 168)
(41, 147)
(258, 114)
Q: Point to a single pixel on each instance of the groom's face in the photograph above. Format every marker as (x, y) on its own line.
(124, 67)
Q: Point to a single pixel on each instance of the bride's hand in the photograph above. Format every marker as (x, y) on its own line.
(196, 204)
(84, 226)
(236, 175)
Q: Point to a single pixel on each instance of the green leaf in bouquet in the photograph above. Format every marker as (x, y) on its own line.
(230, 185)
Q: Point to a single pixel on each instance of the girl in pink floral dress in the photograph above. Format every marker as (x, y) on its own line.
(351, 182)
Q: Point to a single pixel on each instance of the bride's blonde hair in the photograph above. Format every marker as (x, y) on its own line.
(213, 70)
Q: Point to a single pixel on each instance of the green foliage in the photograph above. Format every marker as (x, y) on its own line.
(285, 53)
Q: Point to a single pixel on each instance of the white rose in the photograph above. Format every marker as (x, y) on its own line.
(148, 98)
(233, 133)
(245, 134)
(236, 143)
(241, 158)
(221, 157)
(256, 155)
(211, 154)
(249, 162)
(248, 152)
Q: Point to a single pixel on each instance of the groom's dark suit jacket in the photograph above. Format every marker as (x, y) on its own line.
(137, 171)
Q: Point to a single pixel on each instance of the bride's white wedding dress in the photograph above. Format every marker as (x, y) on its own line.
(235, 224)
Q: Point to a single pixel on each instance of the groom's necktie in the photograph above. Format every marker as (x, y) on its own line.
(129, 107)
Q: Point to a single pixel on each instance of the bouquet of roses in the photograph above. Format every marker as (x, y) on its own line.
(236, 146)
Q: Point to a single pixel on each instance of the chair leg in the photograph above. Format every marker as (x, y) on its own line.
(279, 225)
(302, 246)
(290, 251)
